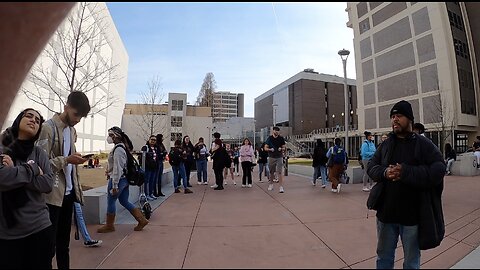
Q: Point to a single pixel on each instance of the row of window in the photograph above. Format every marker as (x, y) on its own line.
(177, 105)
(176, 136)
(455, 20)
(461, 48)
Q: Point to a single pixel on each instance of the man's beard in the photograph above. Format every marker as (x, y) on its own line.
(400, 130)
(69, 122)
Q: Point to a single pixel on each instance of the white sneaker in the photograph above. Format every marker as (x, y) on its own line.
(214, 186)
(260, 181)
(235, 183)
(323, 186)
(366, 189)
(270, 187)
(334, 190)
(338, 188)
(225, 183)
(199, 183)
(249, 185)
(313, 183)
(205, 183)
(243, 185)
(281, 190)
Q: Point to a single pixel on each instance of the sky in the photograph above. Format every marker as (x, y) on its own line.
(249, 47)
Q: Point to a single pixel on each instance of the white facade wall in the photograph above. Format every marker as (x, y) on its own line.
(92, 130)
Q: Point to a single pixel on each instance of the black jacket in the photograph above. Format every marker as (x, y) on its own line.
(319, 156)
(422, 177)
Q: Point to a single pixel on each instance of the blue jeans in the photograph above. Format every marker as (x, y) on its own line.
(81, 222)
(387, 234)
(320, 170)
(150, 181)
(261, 166)
(179, 171)
(122, 196)
(202, 170)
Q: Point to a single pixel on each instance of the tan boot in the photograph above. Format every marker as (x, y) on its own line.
(142, 221)
(108, 227)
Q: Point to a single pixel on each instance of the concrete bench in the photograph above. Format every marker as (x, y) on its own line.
(354, 172)
(465, 165)
(95, 199)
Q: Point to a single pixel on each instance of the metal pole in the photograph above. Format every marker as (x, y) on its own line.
(346, 103)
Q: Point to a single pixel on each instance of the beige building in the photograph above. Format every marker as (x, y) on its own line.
(227, 105)
(422, 52)
(92, 130)
(174, 120)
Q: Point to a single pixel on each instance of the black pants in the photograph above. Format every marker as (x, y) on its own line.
(188, 169)
(218, 176)
(61, 218)
(247, 172)
(29, 252)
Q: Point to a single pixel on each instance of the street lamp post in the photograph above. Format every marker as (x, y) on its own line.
(344, 55)
(274, 113)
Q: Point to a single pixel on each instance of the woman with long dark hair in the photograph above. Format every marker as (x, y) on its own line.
(26, 235)
(117, 182)
(188, 154)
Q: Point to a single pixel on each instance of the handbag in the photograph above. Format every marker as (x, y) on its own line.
(431, 225)
(375, 198)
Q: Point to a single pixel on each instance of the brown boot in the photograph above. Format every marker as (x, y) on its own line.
(142, 221)
(108, 227)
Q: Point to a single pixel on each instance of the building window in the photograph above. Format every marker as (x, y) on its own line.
(175, 136)
(177, 105)
(455, 20)
(176, 121)
(461, 48)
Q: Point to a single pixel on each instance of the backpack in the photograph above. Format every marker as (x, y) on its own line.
(174, 157)
(338, 155)
(133, 172)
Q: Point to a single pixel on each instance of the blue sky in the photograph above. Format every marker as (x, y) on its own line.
(249, 47)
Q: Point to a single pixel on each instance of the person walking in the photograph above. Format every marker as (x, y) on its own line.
(263, 163)
(177, 158)
(319, 163)
(82, 227)
(337, 165)
(236, 160)
(275, 146)
(26, 233)
(367, 151)
(450, 157)
(118, 187)
(161, 154)
(201, 154)
(151, 167)
(188, 155)
(246, 159)
(57, 138)
(411, 170)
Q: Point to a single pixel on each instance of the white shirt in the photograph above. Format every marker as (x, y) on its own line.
(66, 152)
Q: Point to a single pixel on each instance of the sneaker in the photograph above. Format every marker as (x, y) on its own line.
(214, 186)
(235, 183)
(199, 183)
(270, 187)
(275, 180)
(225, 183)
(334, 190)
(338, 188)
(365, 189)
(187, 191)
(149, 198)
(260, 181)
(249, 185)
(153, 196)
(281, 190)
(324, 186)
(244, 185)
(93, 243)
(205, 183)
(218, 188)
(177, 190)
(313, 183)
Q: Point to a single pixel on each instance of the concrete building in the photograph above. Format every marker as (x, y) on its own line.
(235, 129)
(92, 130)
(227, 105)
(425, 53)
(305, 102)
(174, 119)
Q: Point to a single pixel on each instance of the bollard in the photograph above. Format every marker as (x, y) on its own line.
(285, 165)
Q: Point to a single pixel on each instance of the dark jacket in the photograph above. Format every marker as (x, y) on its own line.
(319, 156)
(150, 160)
(451, 155)
(421, 180)
(263, 156)
(220, 158)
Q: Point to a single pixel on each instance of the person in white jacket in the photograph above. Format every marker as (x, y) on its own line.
(246, 159)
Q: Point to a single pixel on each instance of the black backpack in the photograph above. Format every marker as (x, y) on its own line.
(134, 173)
(174, 157)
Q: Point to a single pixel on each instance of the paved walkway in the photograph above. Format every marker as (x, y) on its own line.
(305, 227)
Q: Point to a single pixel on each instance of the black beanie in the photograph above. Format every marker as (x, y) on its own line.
(402, 107)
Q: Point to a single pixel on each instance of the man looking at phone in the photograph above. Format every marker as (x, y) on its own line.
(57, 138)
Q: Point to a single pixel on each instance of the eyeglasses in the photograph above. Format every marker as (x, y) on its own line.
(153, 140)
(30, 115)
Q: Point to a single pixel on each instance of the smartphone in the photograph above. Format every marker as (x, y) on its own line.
(87, 156)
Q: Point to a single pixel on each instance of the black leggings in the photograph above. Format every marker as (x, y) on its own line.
(247, 172)
(29, 252)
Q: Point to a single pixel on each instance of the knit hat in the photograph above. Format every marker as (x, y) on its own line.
(402, 107)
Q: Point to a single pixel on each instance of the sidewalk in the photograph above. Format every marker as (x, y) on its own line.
(305, 227)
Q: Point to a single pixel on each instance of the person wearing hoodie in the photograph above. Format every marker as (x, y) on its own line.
(367, 151)
(26, 233)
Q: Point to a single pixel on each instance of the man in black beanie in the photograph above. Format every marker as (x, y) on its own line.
(409, 169)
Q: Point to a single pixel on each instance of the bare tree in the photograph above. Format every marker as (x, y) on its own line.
(76, 62)
(151, 120)
(205, 96)
(441, 118)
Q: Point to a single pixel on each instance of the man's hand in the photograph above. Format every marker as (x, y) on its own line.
(114, 191)
(7, 160)
(76, 159)
(394, 172)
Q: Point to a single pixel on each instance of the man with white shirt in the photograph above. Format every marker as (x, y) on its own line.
(57, 138)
